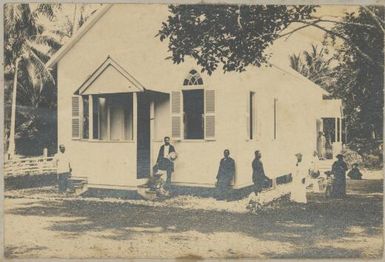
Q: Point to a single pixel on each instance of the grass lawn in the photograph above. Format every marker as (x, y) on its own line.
(39, 223)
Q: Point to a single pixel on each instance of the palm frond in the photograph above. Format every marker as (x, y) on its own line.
(41, 68)
(48, 39)
(48, 10)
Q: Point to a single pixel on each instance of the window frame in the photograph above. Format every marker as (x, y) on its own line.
(190, 76)
(189, 87)
(180, 114)
(192, 88)
(84, 109)
(108, 113)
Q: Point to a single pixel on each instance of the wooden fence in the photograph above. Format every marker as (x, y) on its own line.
(30, 166)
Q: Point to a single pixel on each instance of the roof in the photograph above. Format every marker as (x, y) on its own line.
(299, 76)
(110, 74)
(92, 21)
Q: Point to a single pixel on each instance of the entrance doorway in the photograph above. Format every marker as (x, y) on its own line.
(143, 160)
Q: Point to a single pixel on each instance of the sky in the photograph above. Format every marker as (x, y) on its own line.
(282, 48)
(304, 38)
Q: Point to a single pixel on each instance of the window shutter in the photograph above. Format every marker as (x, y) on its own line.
(76, 114)
(209, 114)
(176, 115)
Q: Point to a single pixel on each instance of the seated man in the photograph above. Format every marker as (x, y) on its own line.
(164, 161)
(355, 173)
(260, 180)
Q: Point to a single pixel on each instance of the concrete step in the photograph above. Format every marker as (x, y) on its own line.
(77, 185)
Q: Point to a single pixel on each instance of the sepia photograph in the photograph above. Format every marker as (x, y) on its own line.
(193, 130)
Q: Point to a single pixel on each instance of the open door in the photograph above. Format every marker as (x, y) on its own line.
(143, 136)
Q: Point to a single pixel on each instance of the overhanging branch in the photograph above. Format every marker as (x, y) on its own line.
(375, 18)
(359, 51)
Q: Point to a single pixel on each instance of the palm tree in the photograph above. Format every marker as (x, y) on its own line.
(70, 24)
(296, 63)
(26, 46)
(316, 66)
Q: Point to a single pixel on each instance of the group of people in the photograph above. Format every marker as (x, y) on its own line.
(226, 174)
(336, 185)
(336, 178)
(302, 173)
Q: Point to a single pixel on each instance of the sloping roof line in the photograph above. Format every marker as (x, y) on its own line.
(109, 61)
(71, 42)
(88, 25)
(300, 77)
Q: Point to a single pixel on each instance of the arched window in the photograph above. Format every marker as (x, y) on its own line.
(193, 110)
(193, 106)
(193, 78)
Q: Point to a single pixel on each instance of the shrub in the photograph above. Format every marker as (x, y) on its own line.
(351, 157)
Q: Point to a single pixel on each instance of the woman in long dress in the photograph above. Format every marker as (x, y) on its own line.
(298, 191)
(321, 145)
(339, 169)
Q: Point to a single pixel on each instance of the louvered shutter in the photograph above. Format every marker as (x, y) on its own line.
(209, 114)
(176, 115)
(76, 113)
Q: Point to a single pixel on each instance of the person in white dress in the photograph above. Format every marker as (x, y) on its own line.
(298, 191)
(63, 169)
(321, 145)
(314, 174)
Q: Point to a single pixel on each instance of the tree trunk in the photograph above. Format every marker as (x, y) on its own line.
(75, 20)
(12, 147)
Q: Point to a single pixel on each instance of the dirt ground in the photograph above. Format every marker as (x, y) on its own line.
(42, 224)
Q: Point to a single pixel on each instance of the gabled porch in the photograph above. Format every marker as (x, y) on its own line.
(111, 106)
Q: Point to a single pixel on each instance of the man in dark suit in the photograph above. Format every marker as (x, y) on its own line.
(164, 161)
(226, 174)
(259, 177)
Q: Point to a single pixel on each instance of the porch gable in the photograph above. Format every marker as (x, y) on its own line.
(110, 78)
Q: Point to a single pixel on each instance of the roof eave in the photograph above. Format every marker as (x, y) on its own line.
(299, 76)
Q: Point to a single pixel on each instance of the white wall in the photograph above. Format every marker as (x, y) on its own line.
(133, 45)
(297, 109)
(105, 163)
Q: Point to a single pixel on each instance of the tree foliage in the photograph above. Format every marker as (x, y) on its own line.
(233, 36)
(33, 33)
(316, 65)
(360, 80)
(27, 47)
(358, 76)
(236, 36)
(28, 41)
